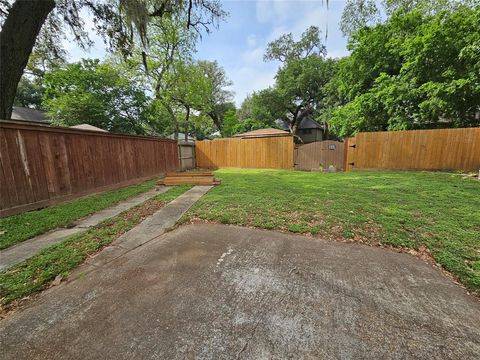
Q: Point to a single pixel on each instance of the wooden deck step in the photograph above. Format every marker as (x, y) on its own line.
(189, 178)
(192, 173)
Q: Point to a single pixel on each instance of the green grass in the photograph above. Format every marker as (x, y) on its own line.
(36, 272)
(439, 211)
(21, 227)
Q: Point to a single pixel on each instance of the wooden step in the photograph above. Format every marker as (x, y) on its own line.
(189, 178)
(187, 174)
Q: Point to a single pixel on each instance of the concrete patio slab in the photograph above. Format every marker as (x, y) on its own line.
(151, 228)
(224, 292)
(22, 251)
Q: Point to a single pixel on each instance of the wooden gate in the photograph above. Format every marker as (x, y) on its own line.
(186, 154)
(321, 155)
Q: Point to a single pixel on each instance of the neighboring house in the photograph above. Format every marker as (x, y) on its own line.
(87, 127)
(181, 137)
(262, 133)
(29, 115)
(308, 130)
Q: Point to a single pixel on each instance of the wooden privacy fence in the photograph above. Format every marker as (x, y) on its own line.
(320, 155)
(41, 165)
(441, 149)
(263, 153)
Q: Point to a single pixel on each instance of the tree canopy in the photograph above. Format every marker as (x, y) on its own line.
(413, 71)
(123, 24)
(96, 93)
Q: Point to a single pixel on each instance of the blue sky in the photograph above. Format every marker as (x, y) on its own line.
(239, 43)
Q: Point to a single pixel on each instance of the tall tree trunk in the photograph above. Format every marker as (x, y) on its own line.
(172, 116)
(216, 120)
(17, 38)
(326, 131)
(187, 117)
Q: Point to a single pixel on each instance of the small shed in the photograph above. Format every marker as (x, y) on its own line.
(267, 132)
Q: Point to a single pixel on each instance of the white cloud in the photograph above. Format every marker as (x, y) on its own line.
(254, 56)
(251, 40)
(248, 79)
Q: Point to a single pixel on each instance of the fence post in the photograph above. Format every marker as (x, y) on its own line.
(345, 154)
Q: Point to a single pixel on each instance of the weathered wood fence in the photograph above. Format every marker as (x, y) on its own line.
(186, 154)
(42, 165)
(440, 149)
(263, 153)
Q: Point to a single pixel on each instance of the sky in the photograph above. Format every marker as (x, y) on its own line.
(240, 41)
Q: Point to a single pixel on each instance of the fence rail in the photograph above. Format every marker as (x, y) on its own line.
(262, 153)
(42, 165)
(440, 149)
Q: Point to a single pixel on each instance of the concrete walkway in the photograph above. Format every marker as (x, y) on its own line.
(225, 292)
(149, 229)
(21, 251)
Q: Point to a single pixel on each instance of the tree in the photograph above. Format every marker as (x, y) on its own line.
(98, 94)
(192, 91)
(298, 90)
(120, 22)
(230, 122)
(285, 48)
(220, 99)
(29, 93)
(414, 71)
(359, 14)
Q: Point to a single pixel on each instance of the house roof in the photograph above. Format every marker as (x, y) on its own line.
(27, 114)
(87, 127)
(306, 123)
(262, 133)
(309, 123)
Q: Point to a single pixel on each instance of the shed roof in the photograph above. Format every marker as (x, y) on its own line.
(87, 127)
(262, 133)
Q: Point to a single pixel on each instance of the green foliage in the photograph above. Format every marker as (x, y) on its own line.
(439, 211)
(285, 48)
(99, 94)
(413, 71)
(220, 98)
(21, 227)
(230, 121)
(258, 111)
(29, 93)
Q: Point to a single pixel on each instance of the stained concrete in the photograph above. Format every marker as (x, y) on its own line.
(21, 251)
(224, 292)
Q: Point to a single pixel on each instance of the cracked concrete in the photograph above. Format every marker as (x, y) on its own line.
(273, 296)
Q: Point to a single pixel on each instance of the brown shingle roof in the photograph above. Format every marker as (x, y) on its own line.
(262, 133)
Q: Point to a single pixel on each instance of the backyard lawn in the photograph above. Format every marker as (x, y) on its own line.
(416, 210)
(35, 273)
(21, 227)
